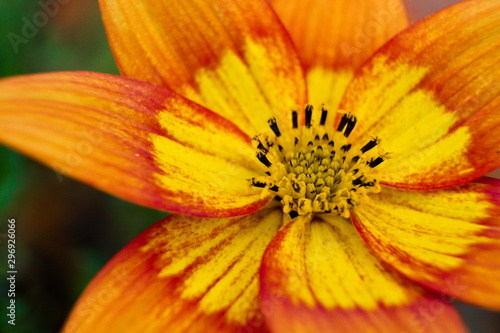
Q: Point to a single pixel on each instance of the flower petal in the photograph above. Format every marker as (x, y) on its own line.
(131, 139)
(183, 274)
(321, 277)
(334, 38)
(447, 240)
(232, 56)
(433, 95)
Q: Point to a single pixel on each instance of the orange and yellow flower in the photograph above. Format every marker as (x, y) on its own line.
(336, 234)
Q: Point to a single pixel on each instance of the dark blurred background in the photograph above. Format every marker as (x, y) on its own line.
(66, 231)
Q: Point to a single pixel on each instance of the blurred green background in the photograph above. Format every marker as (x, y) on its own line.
(67, 231)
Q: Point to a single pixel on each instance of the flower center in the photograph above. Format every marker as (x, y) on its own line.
(314, 169)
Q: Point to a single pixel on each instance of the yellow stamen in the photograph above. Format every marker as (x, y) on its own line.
(314, 169)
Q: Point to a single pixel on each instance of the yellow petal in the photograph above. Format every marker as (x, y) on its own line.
(447, 240)
(183, 274)
(233, 57)
(134, 140)
(432, 95)
(320, 277)
(333, 38)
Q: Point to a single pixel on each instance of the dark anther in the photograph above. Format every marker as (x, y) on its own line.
(257, 184)
(357, 181)
(274, 126)
(261, 147)
(372, 143)
(296, 187)
(324, 113)
(350, 126)
(375, 162)
(295, 122)
(296, 141)
(316, 137)
(346, 148)
(269, 144)
(268, 173)
(355, 159)
(331, 143)
(280, 147)
(310, 143)
(325, 137)
(320, 148)
(343, 122)
(274, 188)
(309, 111)
(355, 171)
(277, 198)
(263, 159)
(348, 122)
(349, 201)
(293, 214)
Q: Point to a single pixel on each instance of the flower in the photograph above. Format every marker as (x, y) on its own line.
(331, 233)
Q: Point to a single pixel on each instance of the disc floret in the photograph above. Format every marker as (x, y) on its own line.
(315, 169)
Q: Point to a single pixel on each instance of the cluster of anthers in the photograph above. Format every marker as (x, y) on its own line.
(314, 169)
